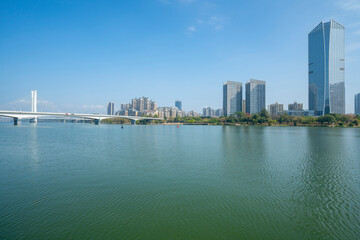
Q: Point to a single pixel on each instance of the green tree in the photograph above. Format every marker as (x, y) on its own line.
(264, 113)
(326, 119)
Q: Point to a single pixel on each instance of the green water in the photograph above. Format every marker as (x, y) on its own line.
(81, 181)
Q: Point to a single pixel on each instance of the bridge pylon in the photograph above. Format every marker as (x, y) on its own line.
(17, 121)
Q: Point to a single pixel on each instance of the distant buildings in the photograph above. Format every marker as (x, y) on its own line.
(327, 68)
(170, 112)
(192, 113)
(208, 112)
(306, 113)
(219, 112)
(295, 106)
(110, 108)
(243, 106)
(178, 104)
(255, 96)
(139, 107)
(232, 97)
(276, 109)
(357, 103)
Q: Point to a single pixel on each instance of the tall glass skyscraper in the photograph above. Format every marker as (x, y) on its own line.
(110, 108)
(357, 103)
(232, 97)
(178, 104)
(327, 68)
(255, 96)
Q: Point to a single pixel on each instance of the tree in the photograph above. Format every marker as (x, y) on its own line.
(264, 113)
(239, 114)
(326, 119)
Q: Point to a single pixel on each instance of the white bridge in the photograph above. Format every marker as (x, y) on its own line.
(18, 115)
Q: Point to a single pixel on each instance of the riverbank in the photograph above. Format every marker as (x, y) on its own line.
(262, 119)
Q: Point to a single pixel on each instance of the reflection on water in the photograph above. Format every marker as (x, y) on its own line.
(324, 198)
(33, 142)
(86, 181)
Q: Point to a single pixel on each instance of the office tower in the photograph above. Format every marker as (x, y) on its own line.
(110, 108)
(295, 106)
(276, 109)
(243, 106)
(232, 97)
(357, 103)
(327, 68)
(255, 96)
(178, 104)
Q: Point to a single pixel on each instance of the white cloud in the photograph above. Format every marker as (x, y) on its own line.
(349, 5)
(216, 22)
(191, 29)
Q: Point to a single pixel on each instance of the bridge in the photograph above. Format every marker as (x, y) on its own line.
(18, 115)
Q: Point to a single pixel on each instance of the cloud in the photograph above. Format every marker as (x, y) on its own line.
(216, 22)
(191, 29)
(349, 5)
(48, 106)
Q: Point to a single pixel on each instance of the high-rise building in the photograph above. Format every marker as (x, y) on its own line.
(295, 106)
(219, 112)
(110, 108)
(327, 68)
(255, 96)
(357, 103)
(244, 106)
(178, 104)
(232, 97)
(276, 109)
(208, 112)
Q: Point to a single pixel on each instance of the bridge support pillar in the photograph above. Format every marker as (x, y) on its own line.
(17, 121)
(133, 122)
(97, 121)
(33, 120)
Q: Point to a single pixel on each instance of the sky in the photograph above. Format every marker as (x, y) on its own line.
(80, 55)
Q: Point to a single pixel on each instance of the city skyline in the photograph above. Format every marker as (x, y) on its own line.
(186, 57)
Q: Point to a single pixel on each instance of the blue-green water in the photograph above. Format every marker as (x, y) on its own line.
(83, 181)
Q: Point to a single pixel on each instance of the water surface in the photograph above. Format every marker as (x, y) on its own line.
(81, 181)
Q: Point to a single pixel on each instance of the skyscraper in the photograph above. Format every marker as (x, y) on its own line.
(110, 108)
(327, 68)
(357, 103)
(255, 96)
(178, 104)
(232, 97)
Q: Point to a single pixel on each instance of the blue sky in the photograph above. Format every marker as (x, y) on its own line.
(81, 54)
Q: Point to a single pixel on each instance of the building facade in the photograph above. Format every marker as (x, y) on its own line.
(178, 104)
(208, 112)
(276, 109)
(327, 68)
(255, 96)
(232, 97)
(110, 108)
(357, 103)
(295, 106)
